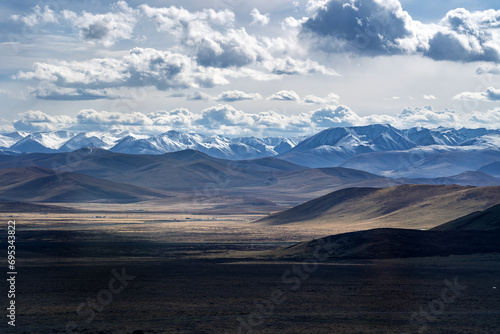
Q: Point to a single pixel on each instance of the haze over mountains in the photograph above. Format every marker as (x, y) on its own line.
(378, 149)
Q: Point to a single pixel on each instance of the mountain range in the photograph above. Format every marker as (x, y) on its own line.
(378, 149)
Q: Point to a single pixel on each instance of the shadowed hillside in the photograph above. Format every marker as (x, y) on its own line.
(406, 206)
(393, 243)
(482, 220)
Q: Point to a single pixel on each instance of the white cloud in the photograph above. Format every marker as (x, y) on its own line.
(53, 92)
(236, 95)
(488, 69)
(199, 96)
(258, 18)
(180, 118)
(290, 66)
(38, 16)
(35, 120)
(92, 117)
(490, 94)
(467, 36)
(224, 115)
(332, 98)
(225, 119)
(105, 29)
(284, 95)
(382, 27)
(335, 116)
(233, 47)
(430, 97)
(141, 67)
(490, 118)
(369, 27)
(428, 117)
(292, 24)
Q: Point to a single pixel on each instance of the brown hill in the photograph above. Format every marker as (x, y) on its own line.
(481, 220)
(194, 172)
(8, 206)
(34, 184)
(392, 243)
(405, 206)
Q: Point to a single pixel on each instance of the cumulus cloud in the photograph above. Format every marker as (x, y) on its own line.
(258, 18)
(105, 29)
(335, 116)
(490, 118)
(332, 98)
(382, 27)
(53, 92)
(35, 120)
(38, 16)
(226, 115)
(236, 95)
(199, 96)
(368, 27)
(292, 24)
(490, 94)
(430, 97)
(141, 67)
(491, 69)
(429, 117)
(92, 117)
(284, 95)
(231, 48)
(225, 119)
(180, 118)
(467, 37)
(290, 66)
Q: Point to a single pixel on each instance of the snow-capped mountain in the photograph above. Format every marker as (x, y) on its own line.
(216, 146)
(380, 149)
(335, 146)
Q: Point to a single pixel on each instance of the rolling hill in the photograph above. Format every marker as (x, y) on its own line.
(475, 233)
(481, 220)
(195, 172)
(11, 207)
(35, 184)
(405, 206)
(390, 244)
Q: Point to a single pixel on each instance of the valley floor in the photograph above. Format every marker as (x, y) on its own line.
(204, 275)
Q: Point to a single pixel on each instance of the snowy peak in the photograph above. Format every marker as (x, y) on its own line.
(360, 139)
(325, 149)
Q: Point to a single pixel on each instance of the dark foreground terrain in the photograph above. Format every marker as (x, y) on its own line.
(66, 280)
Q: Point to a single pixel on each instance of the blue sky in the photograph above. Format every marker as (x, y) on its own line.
(248, 67)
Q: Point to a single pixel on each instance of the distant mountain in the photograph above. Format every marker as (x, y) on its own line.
(216, 146)
(199, 174)
(391, 243)
(492, 169)
(405, 206)
(449, 163)
(424, 162)
(335, 146)
(34, 184)
(481, 220)
(329, 148)
(477, 179)
(41, 142)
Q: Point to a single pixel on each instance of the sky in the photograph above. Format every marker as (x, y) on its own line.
(234, 67)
